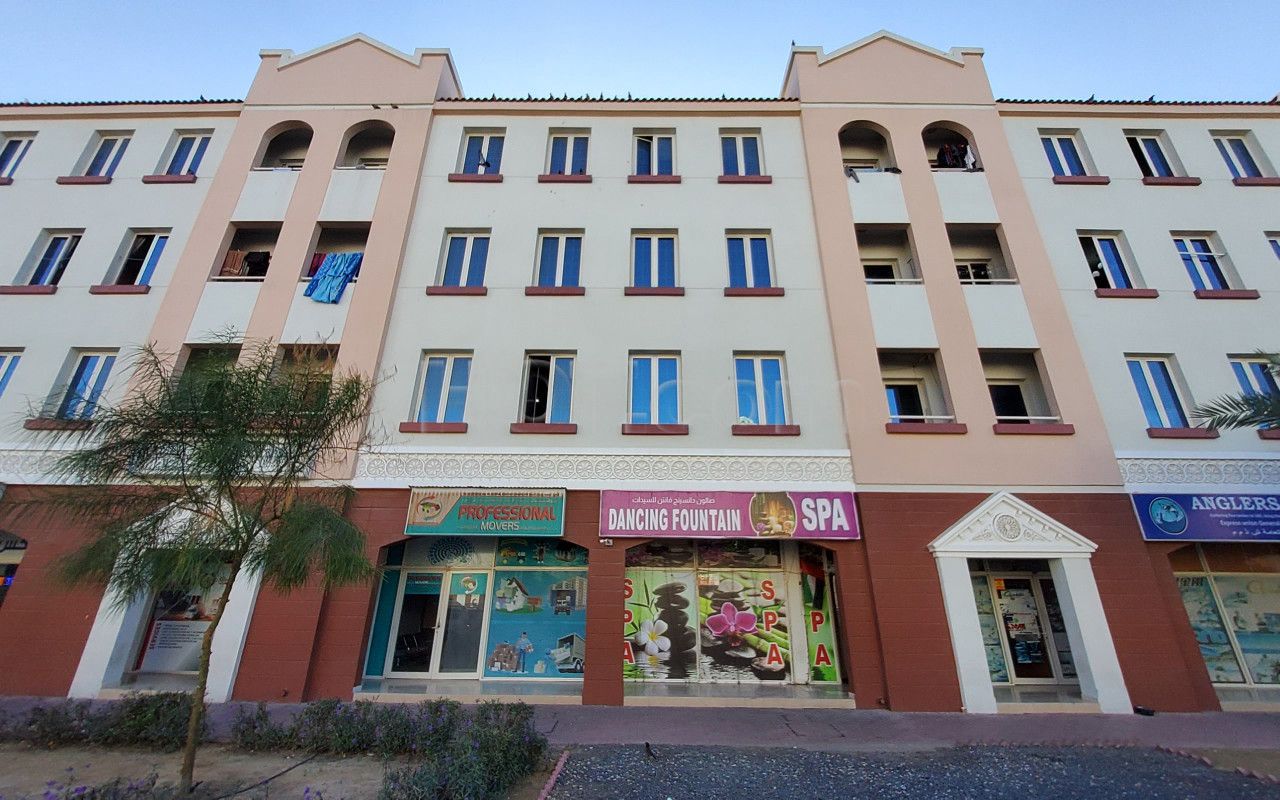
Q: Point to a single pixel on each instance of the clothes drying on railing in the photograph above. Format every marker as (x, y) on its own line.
(331, 279)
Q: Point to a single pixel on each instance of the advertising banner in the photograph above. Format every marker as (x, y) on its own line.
(723, 515)
(484, 512)
(178, 622)
(538, 626)
(1209, 517)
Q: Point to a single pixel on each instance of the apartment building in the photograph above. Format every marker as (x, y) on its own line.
(815, 396)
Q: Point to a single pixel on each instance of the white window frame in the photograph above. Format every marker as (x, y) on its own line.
(1161, 140)
(130, 237)
(1244, 361)
(47, 238)
(172, 150)
(570, 136)
(470, 236)
(1122, 247)
(121, 140)
(654, 136)
(902, 273)
(486, 137)
(560, 254)
(1222, 140)
(654, 384)
(22, 151)
(738, 135)
(653, 235)
(451, 359)
(1273, 239)
(9, 360)
(553, 375)
(1055, 137)
(1175, 382)
(968, 264)
(757, 359)
(748, 258)
(1215, 249)
(922, 389)
(64, 387)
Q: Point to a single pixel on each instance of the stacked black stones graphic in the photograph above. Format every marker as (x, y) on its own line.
(671, 603)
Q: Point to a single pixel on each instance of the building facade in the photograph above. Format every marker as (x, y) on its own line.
(822, 399)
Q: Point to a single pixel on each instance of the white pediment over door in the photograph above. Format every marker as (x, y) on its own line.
(1003, 525)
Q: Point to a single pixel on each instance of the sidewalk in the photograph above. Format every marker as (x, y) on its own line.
(854, 731)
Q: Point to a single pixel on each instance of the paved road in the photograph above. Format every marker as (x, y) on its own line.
(991, 773)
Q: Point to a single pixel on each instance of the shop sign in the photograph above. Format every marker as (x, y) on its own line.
(725, 515)
(483, 512)
(1209, 517)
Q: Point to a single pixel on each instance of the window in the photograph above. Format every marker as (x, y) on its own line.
(8, 363)
(559, 257)
(308, 369)
(13, 148)
(1103, 254)
(106, 157)
(465, 256)
(1253, 374)
(653, 259)
(87, 382)
(53, 261)
(187, 154)
(655, 389)
(548, 388)
(1063, 153)
(482, 153)
(1008, 402)
(762, 393)
(749, 260)
(443, 393)
(654, 153)
(880, 271)
(740, 153)
(913, 387)
(1149, 151)
(974, 271)
(141, 258)
(1204, 265)
(1235, 150)
(1274, 241)
(1153, 380)
(906, 401)
(568, 154)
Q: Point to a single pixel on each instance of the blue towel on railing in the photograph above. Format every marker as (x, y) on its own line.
(331, 279)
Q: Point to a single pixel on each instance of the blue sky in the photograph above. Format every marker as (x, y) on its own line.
(146, 49)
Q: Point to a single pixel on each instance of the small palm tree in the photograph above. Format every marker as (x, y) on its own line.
(1247, 409)
(197, 479)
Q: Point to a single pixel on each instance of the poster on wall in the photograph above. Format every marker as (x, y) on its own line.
(659, 624)
(996, 665)
(179, 619)
(517, 551)
(717, 515)
(538, 625)
(1252, 607)
(819, 617)
(486, 512)
(1209, 517)
(1211, 633)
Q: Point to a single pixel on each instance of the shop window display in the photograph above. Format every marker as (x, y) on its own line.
(1236, 620)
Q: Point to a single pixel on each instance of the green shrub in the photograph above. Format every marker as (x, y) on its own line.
(330, 726)
(254, 730)
(55, 724)
(155, 721)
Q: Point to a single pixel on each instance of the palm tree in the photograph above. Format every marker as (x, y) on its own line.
(1249, 409)
(200, 477)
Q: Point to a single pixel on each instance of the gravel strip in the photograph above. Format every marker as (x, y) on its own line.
(991, 773)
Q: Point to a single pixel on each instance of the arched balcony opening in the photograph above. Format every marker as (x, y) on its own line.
(950, 146)
(864, 147)
(367, 146)
(286, 147)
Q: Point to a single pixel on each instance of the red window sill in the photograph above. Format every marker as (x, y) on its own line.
(6, 181)
(554, 178)
(1227, 294)
(467, 177)
(745, 179)
(28, 289)
(112, 288)
(754, 291)
(1256, 181)
(1126, 293)
(544, 427)
(168, 178)
(458, 290)
(554, 290)
(82, 180)
(655, 430)
(653, 179)
(1182, 433)
(433, 427)
(1035, 428)
(54, 424)
(766, 430)
(1082, 180)
(925, 427)
(1176, 180)
(653, 291)
(1269, 433)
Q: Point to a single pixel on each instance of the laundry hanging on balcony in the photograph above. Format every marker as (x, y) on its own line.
(331, 279)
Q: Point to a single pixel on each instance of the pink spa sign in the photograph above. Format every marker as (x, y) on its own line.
(728, 515)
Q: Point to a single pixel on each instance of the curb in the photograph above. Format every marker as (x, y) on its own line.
(555, 776)
(1265, 777)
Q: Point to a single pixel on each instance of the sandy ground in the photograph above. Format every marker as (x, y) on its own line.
(1265, 761)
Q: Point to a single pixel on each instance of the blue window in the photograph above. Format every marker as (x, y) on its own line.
(187, 154)
(1235, 151)
(1106, 263)
(8, 363)
(87, 382)
(655, 389)
(1149, 153)
(1274, 241)
(140, 261)
(749, 261)
(1204, 266)
(107, 157)
(906, 402)
(1254, 376)
(482, 154)
(548, 388)
(740, 154)
(443, 396)
(53, 261)
(1063, 154)
(12, 151)
(762, 395)
(655, 154)
(559, 259)
(568, 154)
(653, 260)
(465, 256)
(1153, 380)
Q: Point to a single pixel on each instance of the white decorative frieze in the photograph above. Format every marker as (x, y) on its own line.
(1260, 472)
(26, 466)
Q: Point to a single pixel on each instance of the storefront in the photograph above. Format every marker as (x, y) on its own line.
(12, 548)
